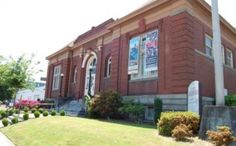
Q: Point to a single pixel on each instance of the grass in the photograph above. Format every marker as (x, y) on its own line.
(69, 131)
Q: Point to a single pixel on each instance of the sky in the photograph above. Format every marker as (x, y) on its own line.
(42, 27)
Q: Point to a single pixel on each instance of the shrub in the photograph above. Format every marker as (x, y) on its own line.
(10, 112)
(26, 109)
(36, 114)
(53, 113)
(4, 114)
(45, 113)
(5, 122)
(33, 110)
(27, 103)
(26, 116)
(157, 109)
(105, 105)
(223, 136)
(62, 113)
(14, 120)
(181, 131)
(169, 120)
(230, 100)
(134, 111)
(17, 111)
(41, 110)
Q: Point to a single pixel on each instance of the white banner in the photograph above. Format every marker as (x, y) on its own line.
(151, 51)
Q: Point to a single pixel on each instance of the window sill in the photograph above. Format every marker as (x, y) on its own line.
(212, 59)
(143, 79)
(107, 78)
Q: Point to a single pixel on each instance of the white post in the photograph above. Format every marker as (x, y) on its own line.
(219, 74)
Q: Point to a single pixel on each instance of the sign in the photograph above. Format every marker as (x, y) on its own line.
(151, 51)
(193, 97)
(133, 55)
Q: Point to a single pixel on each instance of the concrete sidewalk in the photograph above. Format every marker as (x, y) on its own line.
(4, 141)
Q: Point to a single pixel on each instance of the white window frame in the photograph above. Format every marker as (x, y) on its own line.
(209, 46)
(108, 68)
(74, 74)
(56, 77)
(231, 58)
(223, 53)
(142, 75)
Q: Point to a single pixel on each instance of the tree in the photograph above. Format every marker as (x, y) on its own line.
(16, 74)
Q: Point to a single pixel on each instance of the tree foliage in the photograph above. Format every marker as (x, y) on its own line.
(15, 74)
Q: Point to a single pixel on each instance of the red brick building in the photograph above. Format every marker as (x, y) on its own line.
(155, 51)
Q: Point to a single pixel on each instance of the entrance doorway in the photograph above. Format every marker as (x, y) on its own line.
(90, 76)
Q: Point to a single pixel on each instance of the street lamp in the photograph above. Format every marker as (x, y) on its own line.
(60, 93)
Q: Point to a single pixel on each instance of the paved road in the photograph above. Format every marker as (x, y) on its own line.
(4, 141)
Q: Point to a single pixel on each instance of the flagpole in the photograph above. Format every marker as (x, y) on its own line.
(218, 63)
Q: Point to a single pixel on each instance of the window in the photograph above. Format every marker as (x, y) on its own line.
(143, 56)
(229, 58)
(223, 53)
(208, 46)
(74, 74)
(56, 77)
(108, 68)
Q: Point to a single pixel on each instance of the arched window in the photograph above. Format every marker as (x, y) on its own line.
(108, 68)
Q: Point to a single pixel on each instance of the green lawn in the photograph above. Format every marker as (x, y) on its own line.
(69, 131)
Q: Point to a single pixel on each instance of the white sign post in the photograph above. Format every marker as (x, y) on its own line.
(193, 97)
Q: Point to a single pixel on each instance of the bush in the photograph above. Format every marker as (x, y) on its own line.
(4, 114)
(27, 103)
(62, 113)
(41, 110)
(17, 111)
(134, 111)
(45, 113)
(230, 100)
(157, 109)
(53, 113)
(36, 114)
(33, 110)
(10, 112)
(14, 120)
(26, 116)
(105, 105)
(5, 122)
(169, 120)
(223, 136)
(181, 131)
(26, 109)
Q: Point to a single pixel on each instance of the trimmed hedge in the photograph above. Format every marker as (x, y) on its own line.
(14, 120)
(36, 114)
(5, 122)
(62, 113)
(169, 120)
(53, 113)
(26, 116)
(45, 113)
(4, 114)
(33, 110)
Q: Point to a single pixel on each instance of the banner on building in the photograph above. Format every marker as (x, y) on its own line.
(133, 55)
(151, 51)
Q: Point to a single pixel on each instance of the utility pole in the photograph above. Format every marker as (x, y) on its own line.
(218, 63)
